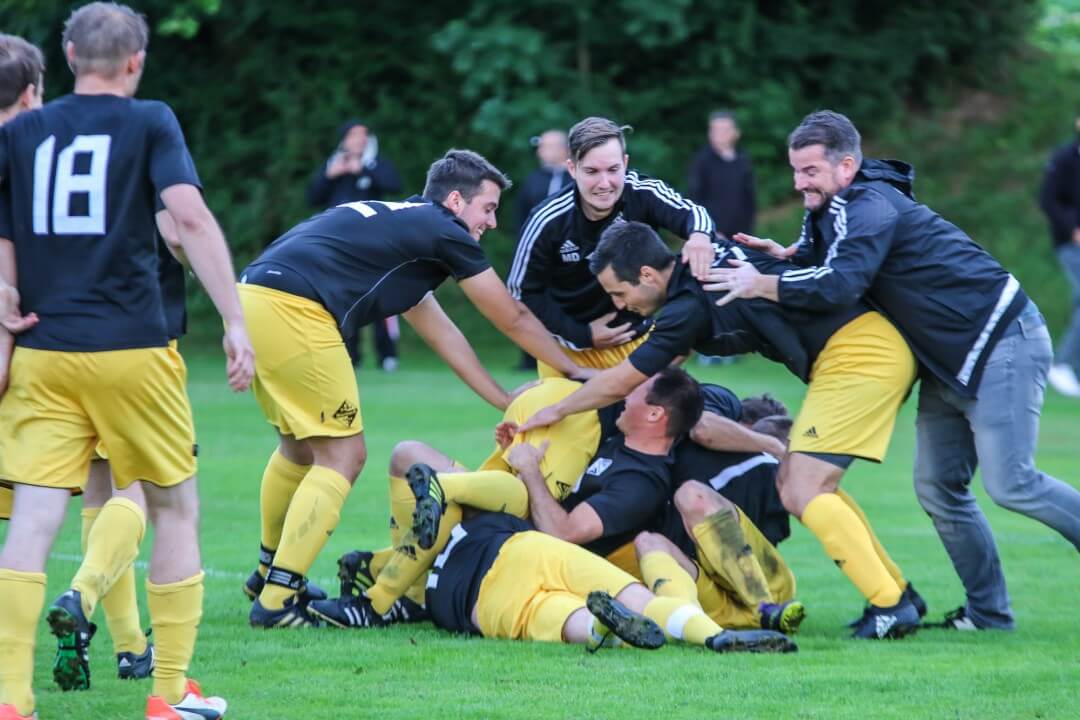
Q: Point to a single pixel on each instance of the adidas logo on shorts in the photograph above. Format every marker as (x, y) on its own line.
(811, 433)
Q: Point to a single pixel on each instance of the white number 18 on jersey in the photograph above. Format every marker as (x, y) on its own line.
(69, 183)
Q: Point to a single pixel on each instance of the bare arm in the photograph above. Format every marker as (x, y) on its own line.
(487, 292)
(204, 245)
(579, 526)
(716, 432)
(603, 389)
(167, 229)
(437, 329)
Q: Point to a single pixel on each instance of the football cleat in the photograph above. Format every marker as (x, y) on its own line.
(130, 666)
(957, 619)
(348, 612)
(71, 667)
(782, 617)
(430, 503)
(293, 615)
(618, 621)
(354, 572)
(309, 591)
(193, 706)
(8, 712)
(753, 641)
(891, 623)
(911, 594)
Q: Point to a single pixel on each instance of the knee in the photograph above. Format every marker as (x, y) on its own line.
(404, 455)
(695, 501)
(789, 498)
(1011, 490)
(647, 542)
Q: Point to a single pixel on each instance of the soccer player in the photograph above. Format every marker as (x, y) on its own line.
(308, 294)
(983, 343)
(550, 272)
(79, 181)
(858, 367)
(500, 579)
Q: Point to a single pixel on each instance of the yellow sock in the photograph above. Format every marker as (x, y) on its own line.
(887, 561)
(402, 504)
(494, 490)
(175, 611)
(681, 620)
(410, 563)
(22, 597)
(313, 515)
(847, 542)
(279, 482)
(723, 547)
(666, 578)
(120, 605)
(112, 544)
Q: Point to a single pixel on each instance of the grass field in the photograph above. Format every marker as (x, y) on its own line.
(419, 672)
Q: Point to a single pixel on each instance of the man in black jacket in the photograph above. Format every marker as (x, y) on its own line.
(722, 178)
(1060, 200)
(982, 344)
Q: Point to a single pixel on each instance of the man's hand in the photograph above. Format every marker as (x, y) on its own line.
(739, 281)
(769, 247)
(524, 457)
(10, 316)
(699, 253)
(504, 433)
(342, 164)
(605, 337)
(239, 357)
(542, 418)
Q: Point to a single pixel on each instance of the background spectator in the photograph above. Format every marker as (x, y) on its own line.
(722, 179)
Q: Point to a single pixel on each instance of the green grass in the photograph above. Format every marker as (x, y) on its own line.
(420, 672)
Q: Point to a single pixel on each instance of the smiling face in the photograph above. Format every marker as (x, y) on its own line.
(645, 298)
(600, 176)
(817, 177)
(478, 214)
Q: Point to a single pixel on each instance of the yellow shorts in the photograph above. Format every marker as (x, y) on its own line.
(536, 583)
(625, 558)
(304, 381)
(60, 404)
(716, 595)
(573, 440)
(7, 499)
(857, 385)
(599, 359)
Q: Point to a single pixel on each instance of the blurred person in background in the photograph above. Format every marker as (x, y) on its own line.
(1060, 200)
(356, 172)
(548, 179)
(722, 178)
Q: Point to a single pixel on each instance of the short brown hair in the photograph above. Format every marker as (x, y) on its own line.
(105, 35)
(464, 171)
(680, 396)
(21, 65)
(592, 132)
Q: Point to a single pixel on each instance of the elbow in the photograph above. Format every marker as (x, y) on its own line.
(698, 434)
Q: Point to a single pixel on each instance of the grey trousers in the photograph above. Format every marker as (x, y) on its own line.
(998, 430)
(1068, 351)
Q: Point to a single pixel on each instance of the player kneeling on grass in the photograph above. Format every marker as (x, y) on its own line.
(500, 579)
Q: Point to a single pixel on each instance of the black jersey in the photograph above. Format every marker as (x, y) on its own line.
(691, 320)
(626, 488)
(454, 582)
(173, 291)
(551, 273)
(365, 261)
(83, 175)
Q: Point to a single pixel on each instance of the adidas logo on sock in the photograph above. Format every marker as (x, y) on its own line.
(811, 433)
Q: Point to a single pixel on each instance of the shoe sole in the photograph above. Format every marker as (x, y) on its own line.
(792, 617)
(756, 641)
(630, 627)
(326, 618)
(428, 512)
(68, 670)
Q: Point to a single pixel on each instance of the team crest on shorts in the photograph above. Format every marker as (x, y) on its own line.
(346, 413)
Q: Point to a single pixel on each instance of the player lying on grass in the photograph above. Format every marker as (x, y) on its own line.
(622, 490)
(499, 578)
(858, 367)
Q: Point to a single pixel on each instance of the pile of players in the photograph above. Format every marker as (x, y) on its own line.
(612, 511)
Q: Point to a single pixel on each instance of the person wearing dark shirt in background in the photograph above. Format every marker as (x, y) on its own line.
(355, 172)
(1060, 200)
(722, 179)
